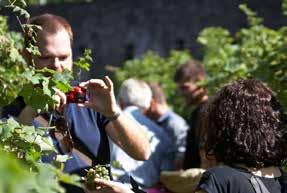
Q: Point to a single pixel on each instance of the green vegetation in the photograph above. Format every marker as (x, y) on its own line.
(254, 52)
(21, 146)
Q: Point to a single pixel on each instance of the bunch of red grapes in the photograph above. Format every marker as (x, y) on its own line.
(77, 95)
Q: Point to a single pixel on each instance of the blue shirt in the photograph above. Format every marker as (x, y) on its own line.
(145, 173)
(86, 124)
(176, 128)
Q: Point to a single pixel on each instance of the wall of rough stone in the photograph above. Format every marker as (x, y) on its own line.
(120, 29)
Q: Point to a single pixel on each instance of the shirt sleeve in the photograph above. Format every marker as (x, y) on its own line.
(209, 183)
(180, 132)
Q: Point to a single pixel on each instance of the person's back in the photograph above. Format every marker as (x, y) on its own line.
(227, 179)
(172, 124)
(176, 127)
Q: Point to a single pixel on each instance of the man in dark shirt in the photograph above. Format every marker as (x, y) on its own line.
(187, 76)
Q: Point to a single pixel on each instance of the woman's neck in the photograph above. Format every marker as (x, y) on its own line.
(267, 172)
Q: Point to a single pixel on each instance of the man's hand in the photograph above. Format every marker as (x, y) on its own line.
(61, 99)
(124, 132)
(110, 187)
(101, 96)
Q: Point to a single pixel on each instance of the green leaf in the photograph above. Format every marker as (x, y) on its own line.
(252, 17)
(69, 179)
(84, 61)
(284, 7)
(18, 9)
(46, 179)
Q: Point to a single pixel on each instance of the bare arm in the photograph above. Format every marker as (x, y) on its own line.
(123, 131)
(130, 137)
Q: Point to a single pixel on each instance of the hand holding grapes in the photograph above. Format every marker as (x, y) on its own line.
(109, 187)
(97, 180)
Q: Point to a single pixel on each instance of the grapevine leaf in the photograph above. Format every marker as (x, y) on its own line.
(284, 7)
(46, 179)
(69, 179)
(84, 62)
(252, 18)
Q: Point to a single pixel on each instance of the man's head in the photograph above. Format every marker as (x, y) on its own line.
(187, 77)
(54, 42)
(135, 92)
(158, 105)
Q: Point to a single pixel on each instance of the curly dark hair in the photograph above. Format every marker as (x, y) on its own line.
(246, 125)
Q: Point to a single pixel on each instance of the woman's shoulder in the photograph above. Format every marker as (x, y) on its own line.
(223, 179)
(221, 170)
(224, 174)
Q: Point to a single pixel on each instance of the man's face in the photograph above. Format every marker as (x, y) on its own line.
(56, 51)
(190, 91)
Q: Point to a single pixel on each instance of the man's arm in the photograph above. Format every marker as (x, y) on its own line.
(123, 131)
(27, 115)
(129, 136)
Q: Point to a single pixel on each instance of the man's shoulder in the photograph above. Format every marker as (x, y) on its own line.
(175, 120)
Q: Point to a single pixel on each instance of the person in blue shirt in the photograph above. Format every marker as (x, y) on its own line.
(135, 97)
(90, 122)
(173, 124)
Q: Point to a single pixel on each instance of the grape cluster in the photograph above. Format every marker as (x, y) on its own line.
(97, 172)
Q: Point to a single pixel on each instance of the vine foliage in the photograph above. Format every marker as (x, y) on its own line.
(253, 52)
(23, 147)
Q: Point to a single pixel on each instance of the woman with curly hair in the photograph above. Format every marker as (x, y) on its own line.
(247, 134)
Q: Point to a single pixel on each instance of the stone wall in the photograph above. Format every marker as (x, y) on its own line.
(117, 30)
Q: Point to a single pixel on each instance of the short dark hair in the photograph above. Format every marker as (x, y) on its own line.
(51, 24)
(246, 125)
(192, 70)
(157, 93)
